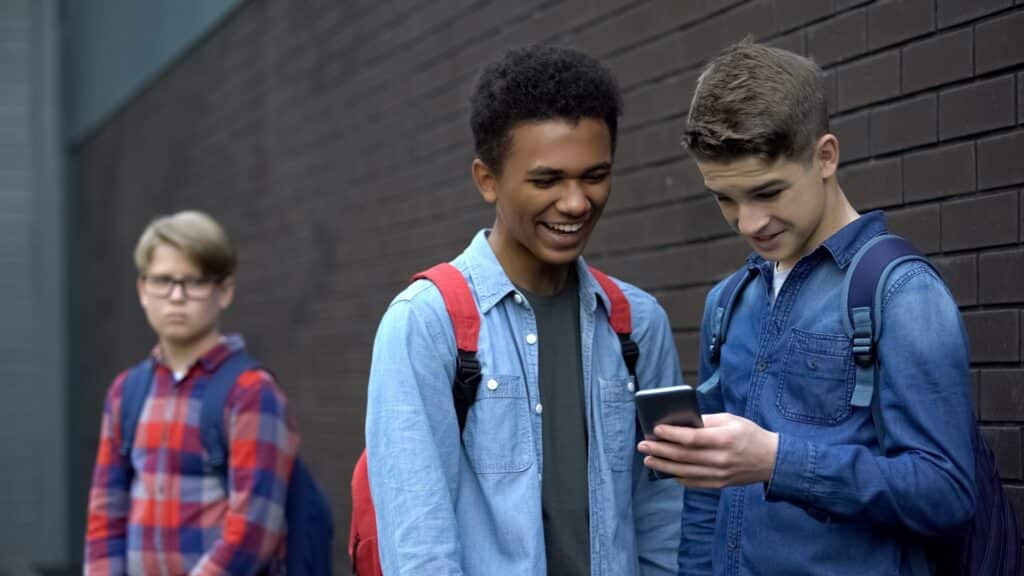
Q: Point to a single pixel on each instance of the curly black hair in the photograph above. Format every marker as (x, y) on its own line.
(537, 83)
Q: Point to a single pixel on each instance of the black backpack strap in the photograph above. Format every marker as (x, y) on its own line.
(134, 391)
(621, 319)
(211, 416)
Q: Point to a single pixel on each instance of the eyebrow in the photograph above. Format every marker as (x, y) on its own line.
(549, 172)
(774, 183)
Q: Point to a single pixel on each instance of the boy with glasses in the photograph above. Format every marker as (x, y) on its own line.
(156, 506)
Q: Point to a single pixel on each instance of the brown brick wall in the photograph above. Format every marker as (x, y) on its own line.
(332, 139)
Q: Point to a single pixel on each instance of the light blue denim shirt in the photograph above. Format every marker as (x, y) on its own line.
(837, 504)
(444, 508)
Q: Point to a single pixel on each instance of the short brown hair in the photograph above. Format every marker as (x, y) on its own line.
(197, 235)
(755, 100)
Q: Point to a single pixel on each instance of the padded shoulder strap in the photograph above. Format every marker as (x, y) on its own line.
(134, 390)
(862, 309)
(215, 397)
(621, 314)
(722, 314)
(621, 319)
(458, 300)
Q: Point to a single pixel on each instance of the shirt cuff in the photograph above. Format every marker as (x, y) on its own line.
(794, 474)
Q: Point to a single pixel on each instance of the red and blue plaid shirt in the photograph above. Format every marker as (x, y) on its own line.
(176, 517)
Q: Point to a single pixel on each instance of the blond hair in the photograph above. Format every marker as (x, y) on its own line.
(197, 235)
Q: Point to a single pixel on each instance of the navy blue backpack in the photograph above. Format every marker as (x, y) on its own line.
(990, 545)
(307, 514)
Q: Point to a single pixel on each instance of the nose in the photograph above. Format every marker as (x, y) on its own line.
(574, 200)
(751, 219)
(177, 291)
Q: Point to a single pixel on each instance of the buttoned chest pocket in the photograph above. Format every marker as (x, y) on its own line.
(816, 383)
(497, 435)
(618, 414)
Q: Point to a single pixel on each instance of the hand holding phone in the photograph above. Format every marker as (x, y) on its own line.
(674, 405)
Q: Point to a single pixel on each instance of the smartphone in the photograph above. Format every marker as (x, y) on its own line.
(675, 405)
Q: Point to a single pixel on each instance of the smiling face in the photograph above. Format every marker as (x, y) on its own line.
(553, 185)
(784, 208)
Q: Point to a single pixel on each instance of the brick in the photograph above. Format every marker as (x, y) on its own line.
(976, 392)
(852, 132)
(725, 256)
(894, 21)
(1020, 98)
(952, 12)
(650, 145)
(999, 160)
(1021, 226)
(977, 107)
(1002, 395)
(685, 307)
(919, 224)
(791, 14)
(961, 276)
(904, 125)
(794, 42)
(1002, 277)
(829, 79)
(1006, 446)
(994, 337)
(871, 185)
(869, 80)
(938, 60)
(670, 97)
(839, 38)
(688, 346)
(997, 43)
(939, 172)
(980, 221)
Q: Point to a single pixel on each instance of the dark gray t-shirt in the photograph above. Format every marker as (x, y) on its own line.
(565, 504)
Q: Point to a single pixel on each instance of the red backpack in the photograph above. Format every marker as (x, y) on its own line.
(458, 300)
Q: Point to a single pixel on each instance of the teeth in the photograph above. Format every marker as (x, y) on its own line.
(567, 228)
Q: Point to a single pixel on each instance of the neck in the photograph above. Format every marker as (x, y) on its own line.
(525, 270)
(179, 356)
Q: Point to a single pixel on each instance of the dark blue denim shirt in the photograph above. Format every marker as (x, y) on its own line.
(837, 503)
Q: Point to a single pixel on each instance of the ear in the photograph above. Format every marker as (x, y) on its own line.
(486, 181)
(226, 293)
(827, 155)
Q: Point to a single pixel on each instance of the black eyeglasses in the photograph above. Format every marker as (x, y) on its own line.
(192, 287)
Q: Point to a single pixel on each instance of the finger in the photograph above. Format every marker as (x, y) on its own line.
(681, 454)
(686, 474)
(705, 438)
(717, 419)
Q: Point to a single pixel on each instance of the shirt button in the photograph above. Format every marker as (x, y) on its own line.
(538, 409)
(761, 366)
(518, 298)
(630, 386)
(492, 384)
(531, 338)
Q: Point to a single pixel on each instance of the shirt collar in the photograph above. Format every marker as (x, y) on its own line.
(844, 244)
(492, 284)
(214, 357)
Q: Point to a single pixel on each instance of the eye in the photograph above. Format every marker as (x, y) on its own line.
(768, 195)
(196, 282)
(596, 178)
(544, 183)
(721, 199)
(161, 281)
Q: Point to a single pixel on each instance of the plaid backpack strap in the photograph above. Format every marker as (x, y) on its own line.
(461, 307)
